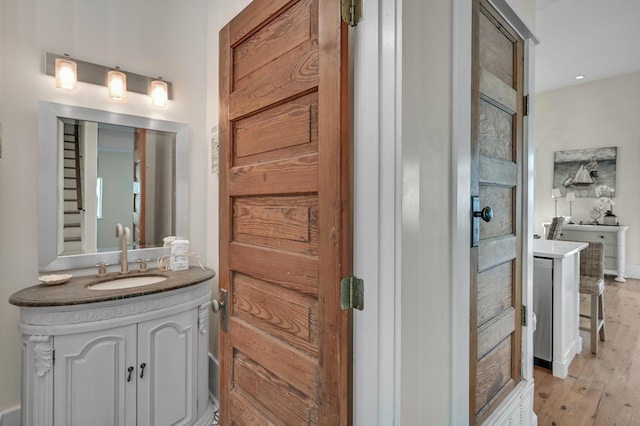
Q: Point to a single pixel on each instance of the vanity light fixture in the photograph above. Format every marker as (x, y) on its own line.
(579, 77)
(117, 85)
(66, 74)
(159, 93)
(86, 72)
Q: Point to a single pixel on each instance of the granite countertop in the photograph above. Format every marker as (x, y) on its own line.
(76, 291)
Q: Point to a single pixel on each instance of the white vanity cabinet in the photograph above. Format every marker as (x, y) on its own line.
(139, 361)
(140, 374)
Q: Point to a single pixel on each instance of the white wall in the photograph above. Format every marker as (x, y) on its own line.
(598, 114)
(426, 216)
(525, 9)
(219, 12)
(149, 37)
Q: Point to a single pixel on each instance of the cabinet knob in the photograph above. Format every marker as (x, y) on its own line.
(130, 370)
(142, 366)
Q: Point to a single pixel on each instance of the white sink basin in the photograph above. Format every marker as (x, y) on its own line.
(127, 282)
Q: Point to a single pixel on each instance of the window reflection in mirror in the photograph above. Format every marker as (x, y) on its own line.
(114, 174)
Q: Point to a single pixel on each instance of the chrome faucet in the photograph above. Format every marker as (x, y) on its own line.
(125, 235)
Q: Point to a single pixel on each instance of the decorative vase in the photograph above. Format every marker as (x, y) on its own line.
(610, 218)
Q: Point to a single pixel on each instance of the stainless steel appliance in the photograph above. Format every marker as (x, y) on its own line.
(543, 308)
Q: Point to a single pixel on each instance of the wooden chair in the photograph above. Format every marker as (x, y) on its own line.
(555, 228)
(592, 284)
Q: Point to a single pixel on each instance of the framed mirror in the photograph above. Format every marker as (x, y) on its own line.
(98, 168)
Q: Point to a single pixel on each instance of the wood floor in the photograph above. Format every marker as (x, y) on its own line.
(602, 389)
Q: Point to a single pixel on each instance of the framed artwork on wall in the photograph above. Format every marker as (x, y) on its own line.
(589, 172)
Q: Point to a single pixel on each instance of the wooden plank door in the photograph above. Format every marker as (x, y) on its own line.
(497, 155)
(139, 182)
(285, 208)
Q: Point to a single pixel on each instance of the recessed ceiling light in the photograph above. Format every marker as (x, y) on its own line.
(579, 77)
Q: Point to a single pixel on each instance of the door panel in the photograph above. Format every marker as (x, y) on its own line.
(283, 402)
(495, 51)
(494, 373)
(286, 314)
(495, 132)
(497, 114)
(284, 33)
(501, 201)
(494, 291)
(293, 226)
(285, 228)
(265, 136)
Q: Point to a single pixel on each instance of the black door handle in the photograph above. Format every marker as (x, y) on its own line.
(485, 214)
(130, 370)
(142, 366)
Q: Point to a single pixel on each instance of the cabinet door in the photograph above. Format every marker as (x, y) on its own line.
(167, 382)
(90, 378)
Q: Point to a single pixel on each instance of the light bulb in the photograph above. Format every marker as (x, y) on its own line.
(66, 74)
(117, 85)
(159, 93)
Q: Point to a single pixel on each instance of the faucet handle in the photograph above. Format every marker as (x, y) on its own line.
(102, 269)
(142, 265)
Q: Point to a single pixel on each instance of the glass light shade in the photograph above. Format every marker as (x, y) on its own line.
(159, 94)
(555, 193)
(117, 85)
(571, 196)
(66, 74)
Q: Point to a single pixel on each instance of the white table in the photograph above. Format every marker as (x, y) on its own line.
(564, 257)
(613, 237)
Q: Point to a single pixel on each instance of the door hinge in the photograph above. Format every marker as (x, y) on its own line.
(352, 293)
(53, 361)
(352, 12)
(526, 105)
(523, 316)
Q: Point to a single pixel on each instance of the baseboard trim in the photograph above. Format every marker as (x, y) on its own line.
(632, 271)
(10, 417)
